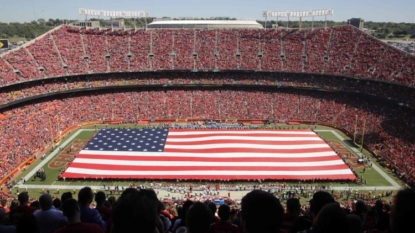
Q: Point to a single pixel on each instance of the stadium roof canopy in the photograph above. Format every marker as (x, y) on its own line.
(205, 24)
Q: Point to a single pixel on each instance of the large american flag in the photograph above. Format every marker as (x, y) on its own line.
(207, 154)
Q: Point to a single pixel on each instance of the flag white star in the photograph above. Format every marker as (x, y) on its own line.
(115, 149)
(96, 146)
(159, 150)
(145, 150)
(100, 149)
(153, 147)
(130, 149)
(110, 146)
(124, 146)
(147, 144)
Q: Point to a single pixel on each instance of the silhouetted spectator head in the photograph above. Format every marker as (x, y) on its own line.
(35, 204)
(134, 211)
(27, 224)
(184, 211)
(100, 198)
(224, 213)
(65, 196)
(355, 224)
(403, 211)
(112, 200)
(211, 206)
(261, 212)
(293, 206)
(331, 218)
(360, 207)
(199, 218)
(85, 196)
(23, 198)
(2, 216)
(57, 203)
(70, 209)
(45, 202)
(14, 204)
(379, 205)
(320, 199)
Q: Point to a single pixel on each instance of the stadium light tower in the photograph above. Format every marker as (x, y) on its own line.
(114, 14)
(297, 14)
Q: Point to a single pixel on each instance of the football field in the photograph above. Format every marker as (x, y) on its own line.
(375, 178)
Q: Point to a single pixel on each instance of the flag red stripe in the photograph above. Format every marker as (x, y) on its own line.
(203, 159)
(245, 141)
(242, 135)
(249, 150)
(214, 177)
(201, 168)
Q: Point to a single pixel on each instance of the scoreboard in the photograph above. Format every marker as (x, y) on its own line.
(4, 44)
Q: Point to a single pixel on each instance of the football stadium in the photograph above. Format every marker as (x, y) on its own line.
(208, 111)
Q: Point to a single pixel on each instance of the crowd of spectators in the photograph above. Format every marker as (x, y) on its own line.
(397, 93)
(388, 128)
(338, 50)
(259, 211)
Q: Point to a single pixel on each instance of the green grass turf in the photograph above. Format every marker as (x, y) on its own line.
(372, 176)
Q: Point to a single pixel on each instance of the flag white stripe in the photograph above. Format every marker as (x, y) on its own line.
(245, 146)
(207, 172)
(253, 132)
(99, 153)
(207, 164)
(250, 138)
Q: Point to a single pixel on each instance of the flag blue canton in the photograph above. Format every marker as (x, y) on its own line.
(148, 140)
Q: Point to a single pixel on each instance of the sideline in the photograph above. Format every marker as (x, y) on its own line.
(374, 166)
(53, 154)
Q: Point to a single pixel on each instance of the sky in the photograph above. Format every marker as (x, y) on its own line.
(369, 10)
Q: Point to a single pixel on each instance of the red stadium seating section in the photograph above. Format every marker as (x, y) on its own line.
(338, 50)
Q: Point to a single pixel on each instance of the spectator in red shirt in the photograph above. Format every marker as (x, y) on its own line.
(71, 210)
(223, 226)
(23, 208)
